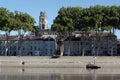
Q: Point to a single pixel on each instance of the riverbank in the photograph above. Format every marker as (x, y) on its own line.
(62, 62)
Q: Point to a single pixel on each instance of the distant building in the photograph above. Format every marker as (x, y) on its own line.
(48, 33)
(44, 31)
(102, 44)
(33, 46)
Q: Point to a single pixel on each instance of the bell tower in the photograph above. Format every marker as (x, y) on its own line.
(43, 23)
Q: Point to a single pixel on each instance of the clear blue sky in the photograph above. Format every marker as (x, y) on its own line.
(51, 7)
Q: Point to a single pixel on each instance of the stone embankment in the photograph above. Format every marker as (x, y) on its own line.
(62, 62)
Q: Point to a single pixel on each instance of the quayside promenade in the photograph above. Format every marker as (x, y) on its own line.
(62, 62)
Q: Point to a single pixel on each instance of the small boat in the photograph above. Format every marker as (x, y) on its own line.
(92, 66)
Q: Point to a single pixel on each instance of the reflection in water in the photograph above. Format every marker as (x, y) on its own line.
(58, 74)
(23, 69)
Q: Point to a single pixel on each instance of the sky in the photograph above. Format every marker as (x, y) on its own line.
(51, 7)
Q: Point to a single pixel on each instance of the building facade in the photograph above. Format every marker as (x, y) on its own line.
(100, 44)
(48, 33)
(35, 47)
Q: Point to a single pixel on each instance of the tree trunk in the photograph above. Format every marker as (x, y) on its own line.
(20, 44)
(62, 48)
(69, 43)
(83, 51)
(93, 46)
(6, 42)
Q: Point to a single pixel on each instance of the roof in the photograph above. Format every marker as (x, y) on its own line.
(3, 38)
(73, 38)
(47, 31)
(102, 34)
(49, 39)
(92, 34)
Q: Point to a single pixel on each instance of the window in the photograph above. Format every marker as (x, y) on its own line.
(19, 47)
(10, 47)
(14, 47)
(39, 48)
(3, 47)
(31, 47)
(23, 48)
(35, 48)
(43, 26)
(43, 20)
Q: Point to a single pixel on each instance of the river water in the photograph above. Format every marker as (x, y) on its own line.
(59, 74)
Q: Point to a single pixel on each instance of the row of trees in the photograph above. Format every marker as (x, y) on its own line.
(104, 18)
(15, 21)
(86, 19)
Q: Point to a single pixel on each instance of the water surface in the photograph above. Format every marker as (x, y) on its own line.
(59, 74)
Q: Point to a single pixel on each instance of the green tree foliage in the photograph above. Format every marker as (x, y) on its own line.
(24, 22)
(6, 20)
(17, 21)
(85, 19)
(6, 24)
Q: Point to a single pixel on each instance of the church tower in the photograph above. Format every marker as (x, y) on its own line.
(43, 23)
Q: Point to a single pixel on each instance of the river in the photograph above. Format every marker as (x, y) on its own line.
(59, 74)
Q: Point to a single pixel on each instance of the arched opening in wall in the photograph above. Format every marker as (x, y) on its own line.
(43, 26)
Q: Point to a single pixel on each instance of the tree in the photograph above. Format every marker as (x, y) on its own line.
(94, 18)
(24, 23)
(17, 21)
(63, 23)
(6, 24)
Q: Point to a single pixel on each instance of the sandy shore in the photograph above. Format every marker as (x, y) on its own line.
(62, 62)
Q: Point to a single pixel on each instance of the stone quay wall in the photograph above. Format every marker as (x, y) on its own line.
(62, 62)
